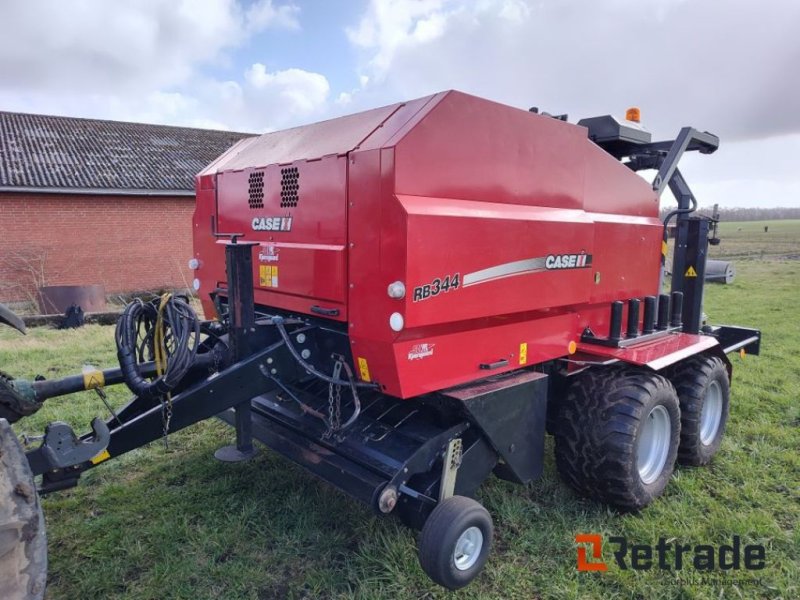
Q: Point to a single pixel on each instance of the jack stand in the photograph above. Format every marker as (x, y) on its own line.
(241, 324)
(243, 449)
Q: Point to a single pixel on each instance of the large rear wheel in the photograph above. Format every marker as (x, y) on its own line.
(703, 389)
(23, 543)
(616, 434)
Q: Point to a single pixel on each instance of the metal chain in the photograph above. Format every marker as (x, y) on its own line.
(166, 417)
(334, 404)
(337, 420)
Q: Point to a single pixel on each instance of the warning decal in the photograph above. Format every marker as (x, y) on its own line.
(268, 275)
(690, 272)
(93, 379)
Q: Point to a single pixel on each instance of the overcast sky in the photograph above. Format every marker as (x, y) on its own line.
(731, 67)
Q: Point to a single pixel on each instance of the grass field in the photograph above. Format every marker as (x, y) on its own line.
(178, 524)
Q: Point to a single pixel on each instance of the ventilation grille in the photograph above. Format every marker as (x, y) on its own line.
(290, 185)
(256, 181)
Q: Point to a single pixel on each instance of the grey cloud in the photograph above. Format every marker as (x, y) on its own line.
(98, 47)
(727, 66)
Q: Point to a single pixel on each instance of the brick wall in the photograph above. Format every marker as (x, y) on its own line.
(126, 243)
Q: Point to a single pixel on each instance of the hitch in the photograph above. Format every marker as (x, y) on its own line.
(62, 448)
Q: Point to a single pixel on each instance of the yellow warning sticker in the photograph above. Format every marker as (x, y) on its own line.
(93, 379)
(523, 353)
(664, 248)
(268, 275)
(363, 369)
(690, 272)
(104, 455)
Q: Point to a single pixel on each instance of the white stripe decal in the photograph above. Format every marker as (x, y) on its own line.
(518, 267)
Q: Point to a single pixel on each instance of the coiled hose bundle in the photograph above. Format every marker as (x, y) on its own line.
(166, 331)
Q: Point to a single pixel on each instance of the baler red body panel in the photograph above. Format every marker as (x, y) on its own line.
(512, 232)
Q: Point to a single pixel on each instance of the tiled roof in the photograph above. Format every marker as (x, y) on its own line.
(64, 153)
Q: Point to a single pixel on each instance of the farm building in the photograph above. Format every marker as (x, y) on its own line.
(85, 201)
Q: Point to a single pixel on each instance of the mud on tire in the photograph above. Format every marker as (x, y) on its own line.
(23, 544)
(599, 425)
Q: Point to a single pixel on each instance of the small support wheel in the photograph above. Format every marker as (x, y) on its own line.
(455, 542)
(704, 392)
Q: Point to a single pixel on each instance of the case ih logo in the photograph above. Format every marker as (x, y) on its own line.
(567, 261)
(670, 555)
(272, 223)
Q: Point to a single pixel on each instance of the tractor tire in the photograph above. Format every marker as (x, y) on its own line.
(455, 542)
(617, 435)
(703, 390)
(23, 542)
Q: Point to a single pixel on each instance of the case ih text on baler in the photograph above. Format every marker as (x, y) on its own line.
(406, 299)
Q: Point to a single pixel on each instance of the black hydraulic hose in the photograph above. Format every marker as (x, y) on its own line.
(305, 407)
(278, 322)
(181, 336)
(313, 412)
(679, 211)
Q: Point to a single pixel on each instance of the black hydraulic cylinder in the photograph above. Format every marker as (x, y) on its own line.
(633, 318)
(649, 325)
(615, 327)
(663, 312)
(677, 309)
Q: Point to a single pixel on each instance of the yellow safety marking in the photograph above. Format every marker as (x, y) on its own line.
(523, 353)
(572, 347)
(93, 379)
(104, 455)
(363, 369)
(275, 276)
(690, 272)
(664, 248)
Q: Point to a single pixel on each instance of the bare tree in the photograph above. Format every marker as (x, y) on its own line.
(28, 271)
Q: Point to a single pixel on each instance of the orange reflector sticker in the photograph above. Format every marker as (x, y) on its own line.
(104, 455)
(572, 347)
(363, 369)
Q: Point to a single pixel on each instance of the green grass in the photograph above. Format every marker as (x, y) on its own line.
(178, 524)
